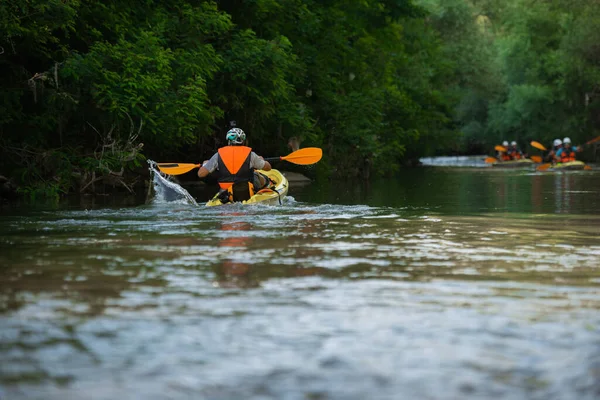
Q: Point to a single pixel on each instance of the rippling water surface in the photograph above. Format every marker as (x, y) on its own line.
(334, 295)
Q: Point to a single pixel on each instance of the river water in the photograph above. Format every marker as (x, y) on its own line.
(444, 283)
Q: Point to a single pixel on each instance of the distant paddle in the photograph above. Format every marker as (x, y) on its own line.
(491, 160)
(536, 159)
(593, 141)
(538, 145)
(543, 167)
(306, 156)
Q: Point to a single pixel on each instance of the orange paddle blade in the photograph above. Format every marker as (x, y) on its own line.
(587, 168)
(176, 168)
(543, 167)
(306, 156)
(593, 140)
(538, 145)
(536, 159)
(491, 160)
(500, 148)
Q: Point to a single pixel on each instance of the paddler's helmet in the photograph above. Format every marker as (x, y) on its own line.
(513, 143)
(235, 136)
(557, 142)
(505, 143)
(567, 140)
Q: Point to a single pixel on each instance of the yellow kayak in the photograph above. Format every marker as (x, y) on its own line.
(571, 166)
(524, 162)
(273, 195)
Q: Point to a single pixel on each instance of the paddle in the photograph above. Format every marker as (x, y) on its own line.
(538, 145)
(536, 159)
(491, 160)
(176, 168)
(593, 141)
(500, 148)
(543, 167)
(306, 156)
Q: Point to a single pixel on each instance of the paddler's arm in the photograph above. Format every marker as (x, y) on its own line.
(208, 166)
(203, 172)
(267, 166)
(257, 162)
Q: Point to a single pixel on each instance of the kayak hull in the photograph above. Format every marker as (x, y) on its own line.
(568, 166)
(265, 196)
(522, 163)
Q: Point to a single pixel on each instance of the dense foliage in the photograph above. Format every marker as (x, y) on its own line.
(85, 84)
(527, 69)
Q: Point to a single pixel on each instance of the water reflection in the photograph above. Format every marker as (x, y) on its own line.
(563, 184)
(234, 241)
(246, 258)
(87, 284)
(537, 194)
(464, 191)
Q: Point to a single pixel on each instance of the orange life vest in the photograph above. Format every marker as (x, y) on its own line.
(235, 174)
(567, 156)
(513, 154)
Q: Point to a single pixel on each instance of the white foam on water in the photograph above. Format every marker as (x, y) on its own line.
(167, 191)
(455, 161)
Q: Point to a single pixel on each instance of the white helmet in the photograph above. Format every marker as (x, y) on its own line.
(513, 143)
(566, 140)
(235, 136)
(557, 142)
(505, 143)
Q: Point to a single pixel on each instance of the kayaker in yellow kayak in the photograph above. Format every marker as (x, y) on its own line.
(235, 166)
(556, 146)
(567, 152)
(503, 155)
(514, 152)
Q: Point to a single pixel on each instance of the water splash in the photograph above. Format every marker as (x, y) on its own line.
(164, 190)
(455, 161)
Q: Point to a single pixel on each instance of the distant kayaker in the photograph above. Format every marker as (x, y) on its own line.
(556, 145)
(567, 152)
(514, 152)
(234, 166)
(503, 155)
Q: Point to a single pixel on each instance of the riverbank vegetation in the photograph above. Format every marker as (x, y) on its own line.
(89, 89)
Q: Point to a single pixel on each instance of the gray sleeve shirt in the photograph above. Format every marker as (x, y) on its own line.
(213, 163)
(255, 162)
